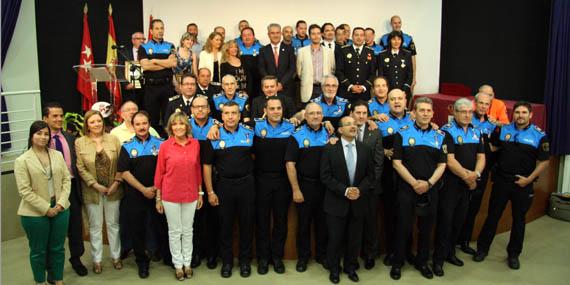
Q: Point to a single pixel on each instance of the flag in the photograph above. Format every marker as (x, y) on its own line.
(149, 28)
(85, 58)
(112, 59)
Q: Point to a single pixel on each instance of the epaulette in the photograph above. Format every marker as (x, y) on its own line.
(345, 46)
(538, 129)
(245, 126)
(259, 119)
(173, 98)
(448, 125)
(218, 95)
(384, 51)
(340, 99)
(242, 94)
(369, 48)
(298, 129)
(316, 100)
(440, 132)
(405, 127)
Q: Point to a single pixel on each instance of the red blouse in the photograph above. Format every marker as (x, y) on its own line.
(178, 171)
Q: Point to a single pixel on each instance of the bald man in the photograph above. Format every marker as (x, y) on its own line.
(498, 110)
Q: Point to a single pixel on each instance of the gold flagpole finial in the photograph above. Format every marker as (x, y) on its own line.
(85, 9)
(110, 9)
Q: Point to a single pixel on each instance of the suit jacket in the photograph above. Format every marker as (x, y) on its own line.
(373, 139)
(85, 149)
(305, 69)
(32, 183)
(334, 175)
(210, 92)
(285, 71)
(177, 103)
(397, 70)
(77, 195)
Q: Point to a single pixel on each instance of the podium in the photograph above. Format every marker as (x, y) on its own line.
(112, 74)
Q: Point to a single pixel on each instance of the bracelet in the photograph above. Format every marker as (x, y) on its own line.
(201, 193)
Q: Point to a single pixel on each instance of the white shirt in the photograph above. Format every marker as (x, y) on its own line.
(276, 46)
(360, 133)
(135, 54)
(332, 44)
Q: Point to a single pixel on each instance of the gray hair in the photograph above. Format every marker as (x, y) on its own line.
(328, 76)
(480, 94)
(312, 104)
(462, 102)
(230, 77)
(273, 25)
(420, 100)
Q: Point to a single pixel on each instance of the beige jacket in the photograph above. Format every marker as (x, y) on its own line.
(85, 148)
(32, 182)
(305, 69)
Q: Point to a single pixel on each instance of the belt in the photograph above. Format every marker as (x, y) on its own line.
(158, 81)
(237, 180)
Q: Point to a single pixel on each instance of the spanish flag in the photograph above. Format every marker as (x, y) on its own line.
(112, 59)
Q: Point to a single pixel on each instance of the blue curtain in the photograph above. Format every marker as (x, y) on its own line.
(10, 11)
(557, 85)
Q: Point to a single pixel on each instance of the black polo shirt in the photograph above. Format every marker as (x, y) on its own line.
(465, 145)
(231, 153)
(305, 148)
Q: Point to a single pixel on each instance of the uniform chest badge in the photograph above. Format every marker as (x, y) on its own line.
(150, 51)
(222, 144)
(220, 106)
(508, 137)
(412, 141)
(263, 133)
(387, 60)
(306, 143)
(247, 138)
(390, 130)
(349, 56)
(369, 57)
(254, 52)
(177, 110)
(403, 65)
(154, 150)
(134, 152)
(460, 140)
(375, 112)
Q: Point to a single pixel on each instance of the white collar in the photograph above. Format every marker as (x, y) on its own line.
(345, 142)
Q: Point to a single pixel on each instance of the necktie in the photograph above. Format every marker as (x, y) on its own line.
(350, 163)
(276, 56)
(394, 54)
(357, 51)
(330, 46)
(359, 134)
(58, 145)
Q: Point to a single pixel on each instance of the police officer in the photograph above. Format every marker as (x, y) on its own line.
(300, 39)
(273, 195)
(182, 103)
(523, 151)
(465, 162)
(355, 68)
(378, 104)
(229, 94)
(419, 159)
(481, 121)
(205, 86)
(157, 59)
(369, 35)
(388, 126)
(269, 89)
(137, 162)
(395, 64)
(334, 107)
(235, 193)
(407, 42)
(303, 158)
(249, 48)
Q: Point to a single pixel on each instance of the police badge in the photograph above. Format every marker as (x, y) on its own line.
(306, 143)
(222, 144)
(390, 130)
(134, 152)
(263, 133)
(150, 51)
(460, 140)
(154, 150)
(508, 137)
(349, 56)
(412, 141)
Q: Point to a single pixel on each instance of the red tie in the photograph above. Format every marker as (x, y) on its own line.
(276, 56)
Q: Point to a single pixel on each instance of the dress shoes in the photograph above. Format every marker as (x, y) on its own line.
(262, 267)
(455, 261)
(353, 276)
(212, 262)
(464, 246)
(369, 263)
(334, 278)
(244, 270)
(79, 268)
(143, 272)
(514, 262)
(301, 265)
(226, 270)
(278, 266)
(396, 272)
(479, 256)
(196, 261)
(438, 269)
(425, 271)
(388, 259)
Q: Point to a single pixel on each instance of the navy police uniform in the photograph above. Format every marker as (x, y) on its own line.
(376, 48)
(231, 155)
(178, 104)
(335, 111)
(398, 70)
(420, 152)
(355, 68)
(273, 195)
(520, 149)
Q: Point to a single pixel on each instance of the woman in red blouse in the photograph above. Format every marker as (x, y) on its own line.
(178, 179)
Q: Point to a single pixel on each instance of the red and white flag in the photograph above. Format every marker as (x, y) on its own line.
(112, 59)
(149, 28)
(86, 58)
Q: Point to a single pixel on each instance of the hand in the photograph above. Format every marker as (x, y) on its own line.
(372, 126)
(298, 196)
(470, 176)
(100, 188)
(472, 185)
(245, 120)
(355, 89)
(389, 152)
(333, 140)
(149, 192)
(522, 181)
(434, 125)
(353, 193)
(294, 121)
(329, 127)
(52, 212)
(213, 199)
(159, 207)
(113, 188)
(213, 133)
(200, 202)
(421, 187)
(382, 118)
(413, 86)
(279, 87)
(129, 86)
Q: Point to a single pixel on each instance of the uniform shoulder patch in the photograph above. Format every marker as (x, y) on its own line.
(173, 98)
(440, 132)
(340, 99)
(404, 128)
(446, 126)
(259, 119)
(369, 48)
(384, 51)
(217, 95)
(243, 95)
(538, 129)
(346, 46)
(298, 129)
(245, 126)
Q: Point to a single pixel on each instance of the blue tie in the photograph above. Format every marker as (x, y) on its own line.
(58, 145)
(350, 163)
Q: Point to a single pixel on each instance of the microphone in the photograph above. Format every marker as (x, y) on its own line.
(118, 47)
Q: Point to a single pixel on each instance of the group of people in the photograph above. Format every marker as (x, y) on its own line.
(226, 156)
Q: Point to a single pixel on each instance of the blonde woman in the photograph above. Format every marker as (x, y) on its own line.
(231, 64)
(211, 57)
(97, 154)
(186, 61)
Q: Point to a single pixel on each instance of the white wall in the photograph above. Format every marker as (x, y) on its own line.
(420, 18)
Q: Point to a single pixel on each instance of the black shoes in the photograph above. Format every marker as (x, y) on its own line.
(244, 270)
(212, 262)
(196, 261)
(388, 259)
(514, 262)
(479, 256)
(79, 268)
(143, 272)
(396, 272)
(301, 265)
(438, 269)
(278, 266)
(352, 276)
(424, 270)
(455, 261)
(226, 270)
(464, 246)
(262, 267)
(369, 263)
(334, 278)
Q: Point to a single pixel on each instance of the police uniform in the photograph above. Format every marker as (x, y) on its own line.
(298, 43)
(231, 156)
(305, 148)
(218, 101)
(466, 145)
(140, 158)
(388, 130)
(398, 70)
(209, 92)
(335, 111)
(520, 149)
(248, 56)
(258, 104)
(273, 195)
(376, 48)
(355, 69)
(377, 108)
(158, 84)
(420, 152)
(476, 196)
(407, 43)
(178, 104)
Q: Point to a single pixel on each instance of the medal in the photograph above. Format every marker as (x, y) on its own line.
(134, 152)
(460, 140)
(349, 56)
(387, 60)
(369, 57)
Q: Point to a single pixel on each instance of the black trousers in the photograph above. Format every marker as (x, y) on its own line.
(75, 228)
(406, 200)
(475, 199)
(345, 236)
(206, 238)
(388, 198)
(273, 198)
(237, 198)
(370, 241)
(311, 210)
(452, 209)
(521, 200)
(155, 102)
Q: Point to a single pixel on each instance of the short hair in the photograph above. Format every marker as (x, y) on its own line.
(248, 28)
(273, 98)
(190, 25)
(339, 28)
(525, 104)
(88, 116)
(127, 102)
(393, 17)
(138, 32)
(379, 77)
(230, 77)
(219, 27)
(187, 36)
(486, 86)
(325, 77)
(208, 44)
(396, 90)
(186, 75)
(178, 116)
(243, 21)
(141, 113)
(421, 100)
(199, 96)
(312, 104)
(49, 105)
(314, 26)
(155, 21)
(358, 103)
(204, 68)
(230, 104)
(268, 77)
(34, 128)
(300, 22)
(357, 29)
(273, 25)
(326, 24)
(462, 102)
(370, 29)
(480, 94)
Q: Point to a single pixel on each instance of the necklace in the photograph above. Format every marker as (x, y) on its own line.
(42, 162)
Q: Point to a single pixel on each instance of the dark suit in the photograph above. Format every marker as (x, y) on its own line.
(176, 103)
(209, 92)
(398, 70)
(345, 217)
(353, 69)
(284, 71)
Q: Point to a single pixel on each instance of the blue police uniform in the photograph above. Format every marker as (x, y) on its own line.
(377, 108)
(407, 42)
(200, 132)
(220, 99)
(377, 48)
(333, 112)
(392, 126)
(298, 43)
